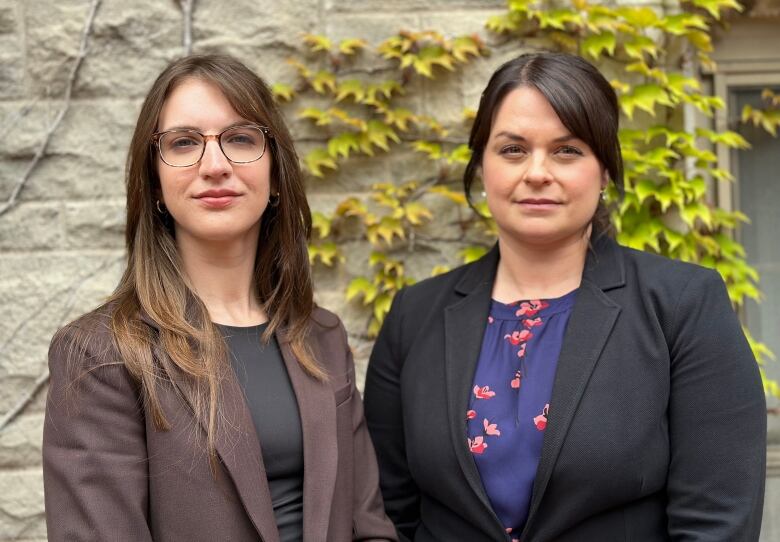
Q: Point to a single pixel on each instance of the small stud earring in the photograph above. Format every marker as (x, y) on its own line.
(603, 195)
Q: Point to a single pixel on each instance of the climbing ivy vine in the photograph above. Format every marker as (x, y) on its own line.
(650, 58)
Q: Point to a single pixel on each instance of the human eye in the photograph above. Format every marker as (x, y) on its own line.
(181, 142)
(511, 150)
(247, 136)
(570, 151)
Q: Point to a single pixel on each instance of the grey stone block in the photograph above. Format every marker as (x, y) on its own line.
(20, 442)
(21, 508)
(31, 226)
(95, 224)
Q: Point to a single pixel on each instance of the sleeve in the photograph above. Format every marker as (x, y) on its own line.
(384, 414)
(717, 421)
(369, 519)
(94, 449)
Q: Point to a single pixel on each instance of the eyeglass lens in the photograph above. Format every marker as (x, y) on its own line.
(185, 148)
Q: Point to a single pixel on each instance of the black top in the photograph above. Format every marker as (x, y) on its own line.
(271, 400)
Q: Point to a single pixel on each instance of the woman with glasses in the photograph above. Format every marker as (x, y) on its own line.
(209, 398)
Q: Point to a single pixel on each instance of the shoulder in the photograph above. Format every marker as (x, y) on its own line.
(665, 274)
(431, 292)
(85, 344)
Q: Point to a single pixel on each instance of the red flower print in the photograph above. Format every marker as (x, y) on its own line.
(491, 428)
(541, 420)
(478, 445)
(529, 323)
(515, 383)
(471, 414)
(521, 352)
(519, 336)
(490, 320)
(530, 308)
(483, 392)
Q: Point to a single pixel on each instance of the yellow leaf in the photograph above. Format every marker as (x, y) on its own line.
(432, 149)
(472, 253)
(456, 197)
(417, 213)
(361, 286)
(318, 159)
(351, 46)
(317, 43)
(320, 118)
(282, 92)
(323, 80)
(351, 207)
(350, 87)
(595, 44)
(321, 223)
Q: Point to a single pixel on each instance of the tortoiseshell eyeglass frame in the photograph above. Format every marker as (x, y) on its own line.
(218, 137)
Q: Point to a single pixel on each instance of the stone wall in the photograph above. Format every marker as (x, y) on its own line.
(63, 138)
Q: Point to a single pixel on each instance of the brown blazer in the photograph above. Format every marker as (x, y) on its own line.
(110, 475)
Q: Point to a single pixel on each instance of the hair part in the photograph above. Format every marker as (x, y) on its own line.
(579, 94)
(188, 348)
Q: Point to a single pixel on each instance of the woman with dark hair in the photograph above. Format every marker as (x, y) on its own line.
(564, 388)
(209, 398)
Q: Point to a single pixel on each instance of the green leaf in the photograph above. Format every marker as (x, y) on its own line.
(644, 97)
(639, 45)
(696, 210)
(282, 92)
(715, 7)
(320, 117)
(432, 149)
(595, 44)
(472, 253)
(682, 23)
(456, 197)
(465, 46)
(361, 286)
(321, 224)
(460, 155)
(380, 133)
(382, 306)
(318, 159)
(322, 81)
(350, 87)
(342, 144)
(328, 253)
(639, 17)
(558, 18)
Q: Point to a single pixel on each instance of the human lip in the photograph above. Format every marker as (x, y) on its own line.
(217, 197)
(539, 203)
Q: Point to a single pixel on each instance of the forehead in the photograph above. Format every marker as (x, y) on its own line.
(199, 104)
(526, 109)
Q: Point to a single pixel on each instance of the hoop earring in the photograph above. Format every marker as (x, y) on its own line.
(273, 200)
(160, 208)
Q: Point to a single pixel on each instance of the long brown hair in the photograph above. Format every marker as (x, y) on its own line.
(186, 347)
(580, 95)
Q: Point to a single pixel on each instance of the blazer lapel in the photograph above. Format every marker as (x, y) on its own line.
(317, 408)
(238, 447)
(591, 322)
(464, 327)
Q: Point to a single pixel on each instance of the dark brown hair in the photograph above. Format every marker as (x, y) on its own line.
(582, 98)
(154, 284)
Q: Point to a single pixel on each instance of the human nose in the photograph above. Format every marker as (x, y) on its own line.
(214, 164)
(538, 171)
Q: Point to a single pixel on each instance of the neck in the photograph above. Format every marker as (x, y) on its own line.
(539, 272)
(221, 273)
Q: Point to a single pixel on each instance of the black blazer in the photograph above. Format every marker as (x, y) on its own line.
(657, 421)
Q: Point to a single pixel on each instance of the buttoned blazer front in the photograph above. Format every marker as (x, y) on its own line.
(657, 420)
(109, 474)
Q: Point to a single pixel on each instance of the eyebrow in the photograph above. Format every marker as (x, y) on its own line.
(197, 129)
(518, 137)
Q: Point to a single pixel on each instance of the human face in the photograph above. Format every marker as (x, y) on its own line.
(542, 182)
(214, 199)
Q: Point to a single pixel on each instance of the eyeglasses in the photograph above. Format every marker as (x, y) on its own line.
(239, 144)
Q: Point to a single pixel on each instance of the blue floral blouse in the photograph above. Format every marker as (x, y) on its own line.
(510, 400)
